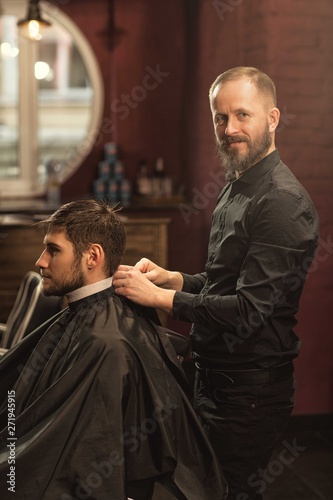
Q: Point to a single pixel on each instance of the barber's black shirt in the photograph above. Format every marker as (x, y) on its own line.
(263, 238)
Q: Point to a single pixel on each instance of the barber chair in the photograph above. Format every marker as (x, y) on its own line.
(30, 310)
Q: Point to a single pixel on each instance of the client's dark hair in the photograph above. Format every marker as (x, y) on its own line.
(86, 222)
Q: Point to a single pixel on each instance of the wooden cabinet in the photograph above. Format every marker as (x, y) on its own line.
(21, 244)
(146, 238)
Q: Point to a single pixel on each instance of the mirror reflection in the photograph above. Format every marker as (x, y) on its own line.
(47, 84)
(9, 78)
(64, 97)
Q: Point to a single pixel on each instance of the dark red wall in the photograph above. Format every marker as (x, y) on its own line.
(191, 42)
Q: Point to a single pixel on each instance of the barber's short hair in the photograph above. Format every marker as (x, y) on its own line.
(86, 222)
(263, 82)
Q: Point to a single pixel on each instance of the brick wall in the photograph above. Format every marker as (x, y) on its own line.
(195, 41)
(299, 42)
(293, 43)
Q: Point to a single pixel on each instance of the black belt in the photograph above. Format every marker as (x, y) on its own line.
(225, 378)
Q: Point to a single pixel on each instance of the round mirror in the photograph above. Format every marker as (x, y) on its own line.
(51, 100)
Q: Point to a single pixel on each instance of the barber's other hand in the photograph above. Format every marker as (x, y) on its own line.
(153, 272)
(171, 280)
(130, 282)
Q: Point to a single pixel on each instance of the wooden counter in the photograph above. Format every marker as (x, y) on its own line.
(21, 244)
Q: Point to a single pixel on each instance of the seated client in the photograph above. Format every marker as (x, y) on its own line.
(94, 402)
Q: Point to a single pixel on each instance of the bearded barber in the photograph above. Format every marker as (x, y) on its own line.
(263, 238)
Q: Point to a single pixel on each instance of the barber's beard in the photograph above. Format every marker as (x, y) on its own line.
(233, 161)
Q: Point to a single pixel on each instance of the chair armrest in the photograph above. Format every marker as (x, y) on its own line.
(2, 329)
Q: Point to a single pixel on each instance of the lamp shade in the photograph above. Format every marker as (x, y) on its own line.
(33, 25)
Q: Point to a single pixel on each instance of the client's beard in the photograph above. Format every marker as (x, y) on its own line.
(64, 285)
(233, 162)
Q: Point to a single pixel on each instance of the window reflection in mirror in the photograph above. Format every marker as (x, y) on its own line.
(9, 72)
(51, 100)
(64, 97)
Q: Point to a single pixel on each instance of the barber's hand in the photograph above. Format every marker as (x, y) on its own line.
(153, 272)
(133, 284)
(159, 276)
(130, 282)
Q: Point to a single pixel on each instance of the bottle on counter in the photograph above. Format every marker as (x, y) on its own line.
(143, 184)
(53, 184)
(161, 182)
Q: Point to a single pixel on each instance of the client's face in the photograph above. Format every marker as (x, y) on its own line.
(61, 270)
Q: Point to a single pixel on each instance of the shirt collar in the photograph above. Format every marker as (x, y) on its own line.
(87, 290)
(259, 169)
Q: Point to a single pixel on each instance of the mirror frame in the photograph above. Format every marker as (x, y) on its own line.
(27, 185)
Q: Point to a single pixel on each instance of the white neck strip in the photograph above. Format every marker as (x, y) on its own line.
(87, 290)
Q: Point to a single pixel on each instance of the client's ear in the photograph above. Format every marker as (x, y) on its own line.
(94, 255)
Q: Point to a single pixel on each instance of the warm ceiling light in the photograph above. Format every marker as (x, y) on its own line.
(33, 25)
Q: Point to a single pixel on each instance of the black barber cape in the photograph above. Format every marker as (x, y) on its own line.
(99, 409)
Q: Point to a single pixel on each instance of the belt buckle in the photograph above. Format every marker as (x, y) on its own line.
(219, 379)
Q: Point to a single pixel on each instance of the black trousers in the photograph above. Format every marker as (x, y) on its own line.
(244, 423)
